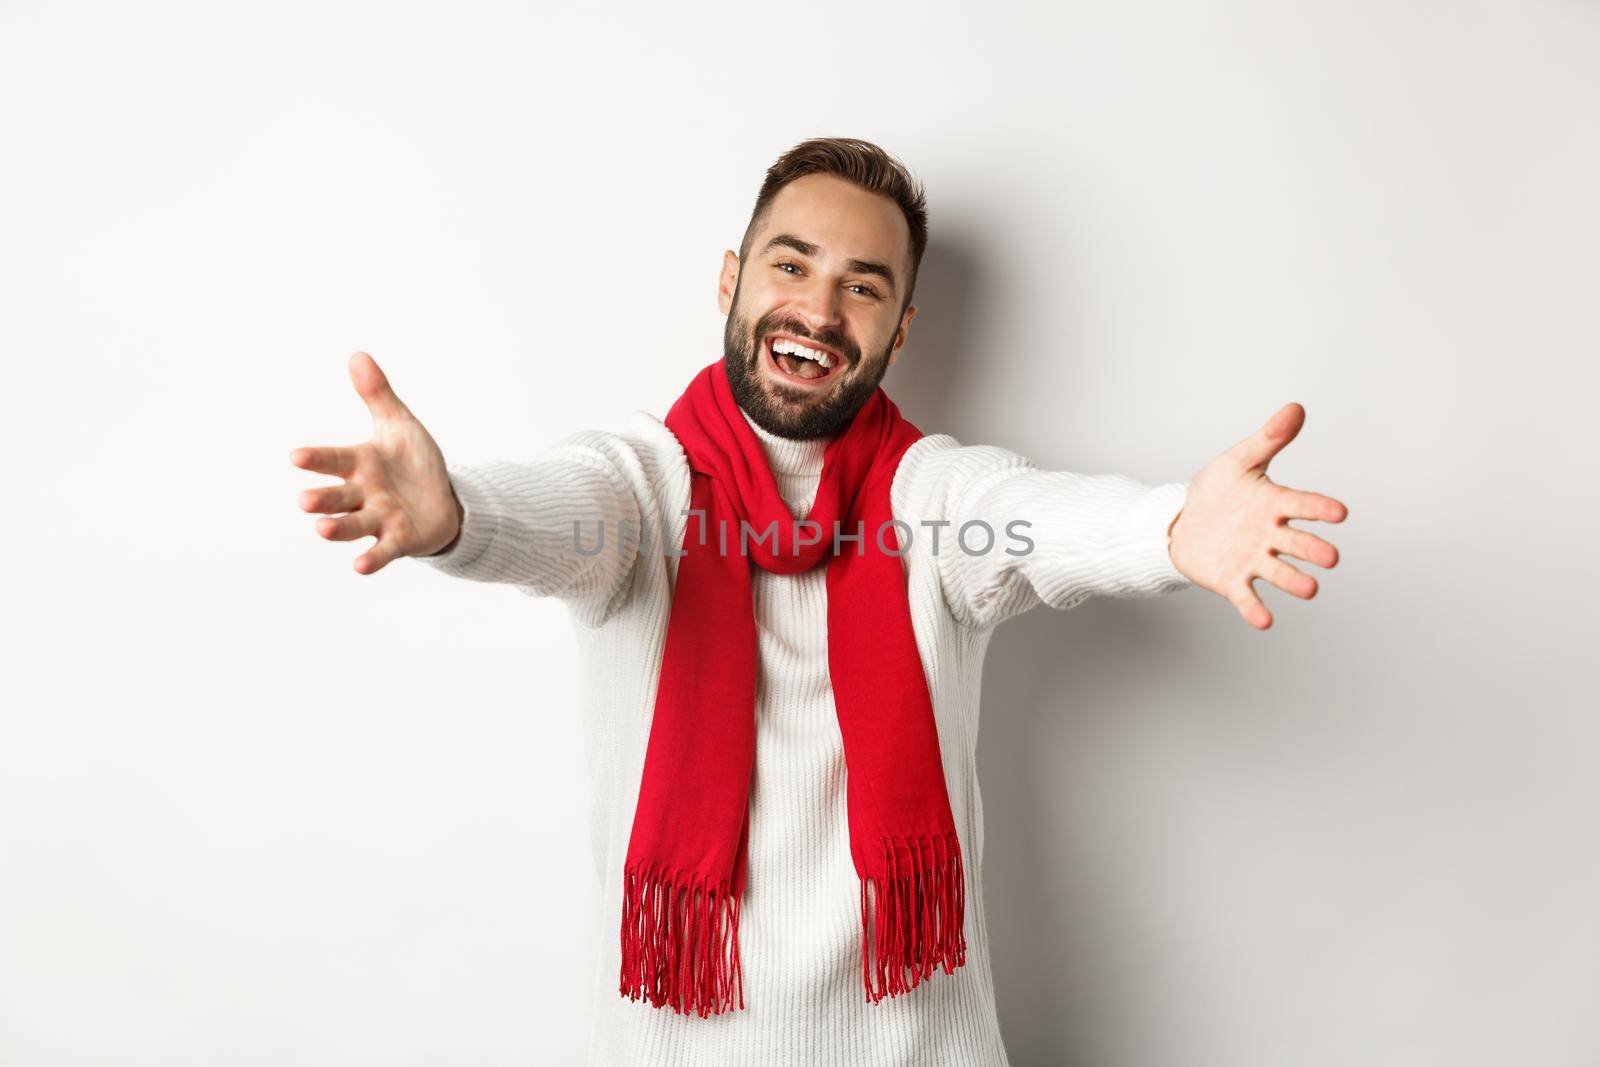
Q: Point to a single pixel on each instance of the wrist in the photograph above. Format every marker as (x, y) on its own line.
(461, 519)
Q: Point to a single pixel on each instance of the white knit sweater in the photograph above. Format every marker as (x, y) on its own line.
(800, 923)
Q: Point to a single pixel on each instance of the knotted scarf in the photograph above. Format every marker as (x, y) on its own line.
(685, 869)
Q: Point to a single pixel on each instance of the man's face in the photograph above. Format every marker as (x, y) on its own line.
(827, 269)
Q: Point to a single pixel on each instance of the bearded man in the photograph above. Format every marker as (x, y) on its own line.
(783, 593)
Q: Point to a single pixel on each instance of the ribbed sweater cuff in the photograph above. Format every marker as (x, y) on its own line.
(479, 524)
(1156, 511)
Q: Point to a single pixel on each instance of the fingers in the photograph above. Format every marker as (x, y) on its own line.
(1299, 504)
(377, 557)
(1254, 451)
(349, 527)
(1250, 607)
(329, 460)
(1301, 545)
(373, 385)
(1291, 580)
(332, 499)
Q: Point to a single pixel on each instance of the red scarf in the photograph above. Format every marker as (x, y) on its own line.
(685, 869)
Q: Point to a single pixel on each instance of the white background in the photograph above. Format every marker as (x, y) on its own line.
(257, 809)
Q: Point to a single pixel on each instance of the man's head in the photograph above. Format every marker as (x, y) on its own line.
(828, 262)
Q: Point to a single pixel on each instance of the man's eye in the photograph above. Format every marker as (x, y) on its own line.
(866, 290)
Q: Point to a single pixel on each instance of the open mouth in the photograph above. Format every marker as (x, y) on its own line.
(801, 362)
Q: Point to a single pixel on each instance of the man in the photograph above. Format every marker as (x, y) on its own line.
(781, 719)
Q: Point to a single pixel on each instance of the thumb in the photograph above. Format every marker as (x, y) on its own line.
(1259, 448)
(373, 385)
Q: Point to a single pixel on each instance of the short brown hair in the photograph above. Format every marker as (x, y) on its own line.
(862, 163)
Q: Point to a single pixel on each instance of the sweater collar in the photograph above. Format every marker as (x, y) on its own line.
(785, 454)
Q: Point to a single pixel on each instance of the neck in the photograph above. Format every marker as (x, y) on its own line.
(787, 455)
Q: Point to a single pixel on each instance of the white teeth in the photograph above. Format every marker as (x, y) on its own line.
(794, 348)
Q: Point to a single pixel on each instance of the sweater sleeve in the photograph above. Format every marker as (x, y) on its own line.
(557, 525)
(1058, 537)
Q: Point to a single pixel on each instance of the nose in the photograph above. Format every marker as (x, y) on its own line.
(819, 305)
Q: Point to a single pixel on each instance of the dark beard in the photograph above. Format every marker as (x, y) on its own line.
(799, 415)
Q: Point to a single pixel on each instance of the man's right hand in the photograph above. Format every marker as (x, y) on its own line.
(395, 486)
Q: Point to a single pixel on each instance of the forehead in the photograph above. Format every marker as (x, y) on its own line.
(845, 220)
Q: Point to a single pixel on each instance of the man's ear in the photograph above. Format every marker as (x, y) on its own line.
(900, 334)
(728, 281)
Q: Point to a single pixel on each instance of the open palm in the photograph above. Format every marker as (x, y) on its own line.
(1234, 523)
(395, 487)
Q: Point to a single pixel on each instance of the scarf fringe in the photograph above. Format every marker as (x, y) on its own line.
(680, 941)
(913, 918)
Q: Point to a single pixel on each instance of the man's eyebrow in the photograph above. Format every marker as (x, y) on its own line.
(806, 248)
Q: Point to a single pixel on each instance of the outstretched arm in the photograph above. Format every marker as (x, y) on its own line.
(1059, 536)
(534, 524)
(563, 524)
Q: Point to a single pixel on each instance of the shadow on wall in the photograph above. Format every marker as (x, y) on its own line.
(1047, 677)
(1054, 684)
(939, 364)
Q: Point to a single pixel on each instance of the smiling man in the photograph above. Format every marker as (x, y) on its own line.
(817, 351)
(784, 592)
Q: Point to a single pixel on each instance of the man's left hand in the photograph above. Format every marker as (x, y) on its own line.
(1234, 523)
